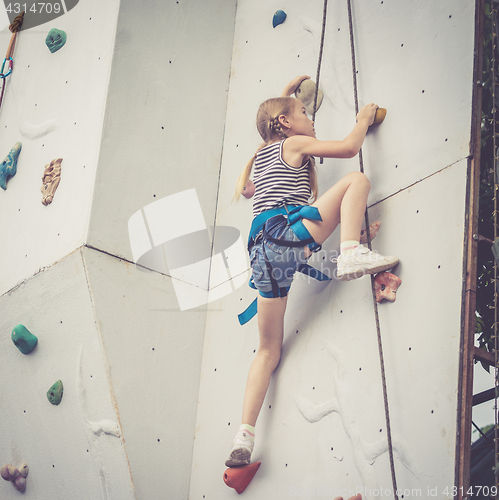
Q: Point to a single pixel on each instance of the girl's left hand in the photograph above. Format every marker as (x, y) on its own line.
(291, 87)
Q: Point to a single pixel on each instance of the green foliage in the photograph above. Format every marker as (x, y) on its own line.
(485, 265)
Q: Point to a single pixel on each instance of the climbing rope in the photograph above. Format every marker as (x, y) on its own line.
(15, 27)
(320, 59)
(320, 62)
(380, 346)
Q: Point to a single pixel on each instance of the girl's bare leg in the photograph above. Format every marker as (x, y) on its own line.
(271, 328)
(344, 202)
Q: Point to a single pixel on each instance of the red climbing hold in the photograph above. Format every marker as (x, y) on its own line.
(386, 285)
(373, 230)
(239, 477)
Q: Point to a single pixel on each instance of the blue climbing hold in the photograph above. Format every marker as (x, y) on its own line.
(279, 18)
(8, 167)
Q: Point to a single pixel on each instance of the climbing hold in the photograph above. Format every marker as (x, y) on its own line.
(306, 93)
(239, 477)
(54, 394)
(379, 116)
(15, 475)
(386, 285)
(55, 39)
(9, 472)
(8, 167)
(24, 470)
(279, 18)
(249, 189)
(24, 340)
(50, 180)
(373, 231)
(20, 484)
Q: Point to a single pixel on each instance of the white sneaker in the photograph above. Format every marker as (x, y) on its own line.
(242, 447)
(363, 261)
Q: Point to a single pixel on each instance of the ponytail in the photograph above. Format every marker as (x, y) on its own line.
(243, 178)
(312, 174)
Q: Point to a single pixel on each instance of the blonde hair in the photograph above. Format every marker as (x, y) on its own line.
(270, 129)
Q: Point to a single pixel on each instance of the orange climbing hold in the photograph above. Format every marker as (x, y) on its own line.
(373, 231)
(239, 477)
(379, 116)
(386, 285)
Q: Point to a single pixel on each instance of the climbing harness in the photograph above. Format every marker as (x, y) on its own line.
(378, 331)
(294, 215)
(15, 27)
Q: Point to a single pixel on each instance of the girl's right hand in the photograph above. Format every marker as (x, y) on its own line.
(368, 113)
(291, 87)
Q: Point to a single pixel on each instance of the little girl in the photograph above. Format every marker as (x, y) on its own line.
(286, 229)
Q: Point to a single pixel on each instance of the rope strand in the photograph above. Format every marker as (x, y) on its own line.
(376, 316)
(320, 62)
(320, 59)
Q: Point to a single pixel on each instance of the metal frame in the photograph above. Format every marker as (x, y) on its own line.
(467, 350)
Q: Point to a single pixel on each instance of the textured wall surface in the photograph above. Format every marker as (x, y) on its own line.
(135, 105)
(162, 136)
(322, 428)
(152, 100)
(75, 449)
(54, 105)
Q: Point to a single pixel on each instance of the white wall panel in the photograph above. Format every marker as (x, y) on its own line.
(75, 449)
(322, 424)
(154, 355)
(324, 416)
(422, 132)
(165, 112)
(54, 105)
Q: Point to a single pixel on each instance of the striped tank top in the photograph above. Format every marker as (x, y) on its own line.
(277, 183)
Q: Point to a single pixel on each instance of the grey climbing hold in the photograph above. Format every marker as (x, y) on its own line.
(15, 475)
(279, 18)
(54, 394)
(306, 93)
(8, 167)
(23, 339)
(55, 39)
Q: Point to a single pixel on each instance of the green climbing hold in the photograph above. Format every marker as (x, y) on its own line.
(54, 394)
(24, 340)
(55, 39)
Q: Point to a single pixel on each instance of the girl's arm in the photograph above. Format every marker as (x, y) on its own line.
(291, 87)
(347, 148)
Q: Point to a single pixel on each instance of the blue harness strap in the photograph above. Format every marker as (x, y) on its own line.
(295, 216)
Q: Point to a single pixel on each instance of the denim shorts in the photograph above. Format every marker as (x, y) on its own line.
(284, 260)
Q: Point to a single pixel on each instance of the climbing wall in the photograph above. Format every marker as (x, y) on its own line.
(122, 104)
(322, 429)
(151, 106)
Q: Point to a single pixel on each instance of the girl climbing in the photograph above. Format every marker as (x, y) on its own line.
(286, 229)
